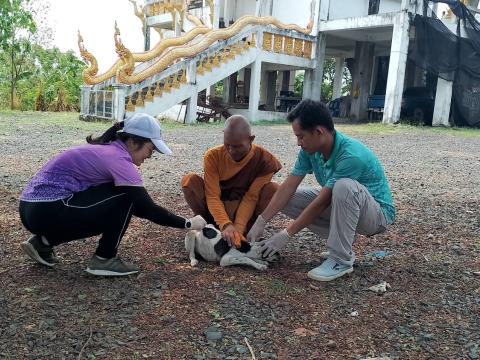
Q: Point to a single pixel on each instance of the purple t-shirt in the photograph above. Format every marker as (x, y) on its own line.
(81, 167)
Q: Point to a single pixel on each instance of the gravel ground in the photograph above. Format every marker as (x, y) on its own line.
(430, 257)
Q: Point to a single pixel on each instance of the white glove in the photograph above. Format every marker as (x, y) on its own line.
(195, 223)
(257, 229)
(271, 246)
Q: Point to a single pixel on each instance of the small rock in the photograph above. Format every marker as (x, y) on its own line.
(354, 313)
(331, 344)
(380, 288)
(213, 333)
(241, 349)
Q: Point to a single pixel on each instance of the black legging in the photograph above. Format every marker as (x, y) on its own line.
(105, 209)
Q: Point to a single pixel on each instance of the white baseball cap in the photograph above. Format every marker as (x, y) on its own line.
(146, 126)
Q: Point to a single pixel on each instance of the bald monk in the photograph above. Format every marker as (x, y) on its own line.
(237, 186)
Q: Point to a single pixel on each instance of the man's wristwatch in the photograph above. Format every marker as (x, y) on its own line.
(188, 224)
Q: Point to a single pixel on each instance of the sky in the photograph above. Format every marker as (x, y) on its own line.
(95, 19)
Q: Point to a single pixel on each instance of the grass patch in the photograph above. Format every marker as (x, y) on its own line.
(280, 287)
(10, 119)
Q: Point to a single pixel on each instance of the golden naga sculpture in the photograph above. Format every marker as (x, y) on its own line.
(125, 74)
(124, 54)
(183, 48)
(194, 20)
(86, 56)
(90, 76)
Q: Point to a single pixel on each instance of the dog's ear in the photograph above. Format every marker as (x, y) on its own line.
(221, 247)
(210, 233)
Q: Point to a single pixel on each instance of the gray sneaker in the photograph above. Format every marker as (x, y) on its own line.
(110, 267)
(38, 251)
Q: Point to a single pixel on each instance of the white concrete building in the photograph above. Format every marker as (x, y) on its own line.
(258, 62)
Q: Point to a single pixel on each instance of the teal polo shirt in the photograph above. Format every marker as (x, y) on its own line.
(353, 160)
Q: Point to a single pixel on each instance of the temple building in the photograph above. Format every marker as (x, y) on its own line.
(259, 58)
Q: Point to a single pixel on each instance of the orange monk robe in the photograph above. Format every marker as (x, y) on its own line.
(225, 181)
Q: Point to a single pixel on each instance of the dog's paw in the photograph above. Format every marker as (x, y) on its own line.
(262, 267)
(193, 262)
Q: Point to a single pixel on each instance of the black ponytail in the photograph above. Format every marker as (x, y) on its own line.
(108, 136)
(114, 133)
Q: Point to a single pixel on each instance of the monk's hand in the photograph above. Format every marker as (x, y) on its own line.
(271, 246)
(238, 238)
(228, 233)
(196, 223)
(257, 229)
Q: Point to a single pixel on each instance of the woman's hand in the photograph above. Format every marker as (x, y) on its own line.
(196, 223)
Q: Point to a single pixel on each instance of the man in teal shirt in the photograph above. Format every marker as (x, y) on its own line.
(354, 197)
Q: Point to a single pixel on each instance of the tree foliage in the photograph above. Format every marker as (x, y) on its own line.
(327, 83)
(33, 76)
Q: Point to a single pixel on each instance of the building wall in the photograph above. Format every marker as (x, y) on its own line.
(347, 8)
(387, 6)
(352, 8)
(243, 7)
(284, 12)
(281, 9)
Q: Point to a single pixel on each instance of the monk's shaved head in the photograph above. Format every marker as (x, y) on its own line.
(237, 125)
(237, 137)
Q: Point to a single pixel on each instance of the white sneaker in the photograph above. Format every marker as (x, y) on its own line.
(329, 270)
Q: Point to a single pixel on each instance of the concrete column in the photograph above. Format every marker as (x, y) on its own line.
(271, 90)
(191, 115)
(396, 68)
(263, 87)
(361, 83)
(285, 80)
(191, 111)
(146, 35)
(291, 82)
(254, 94)
(225, 12)
(248, 76)
(119, 94)
(317, 74)
(232, 88)
(216, 14)
(337, 80)
(443, 99)
(373, 81)
(307, 84)
(85, 99)
(177, 28)
(226, 90)
(323, 10)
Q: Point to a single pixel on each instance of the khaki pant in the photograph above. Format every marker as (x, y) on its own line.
(193, 188)
(352, 210)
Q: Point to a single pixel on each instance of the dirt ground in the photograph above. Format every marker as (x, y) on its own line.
(430, 257)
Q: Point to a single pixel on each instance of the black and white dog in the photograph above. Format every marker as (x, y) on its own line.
(209, 244)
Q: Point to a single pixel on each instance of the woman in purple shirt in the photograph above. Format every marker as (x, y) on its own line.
(94, 189)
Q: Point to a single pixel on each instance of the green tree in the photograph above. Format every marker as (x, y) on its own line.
(59, 77)
(17, 27)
